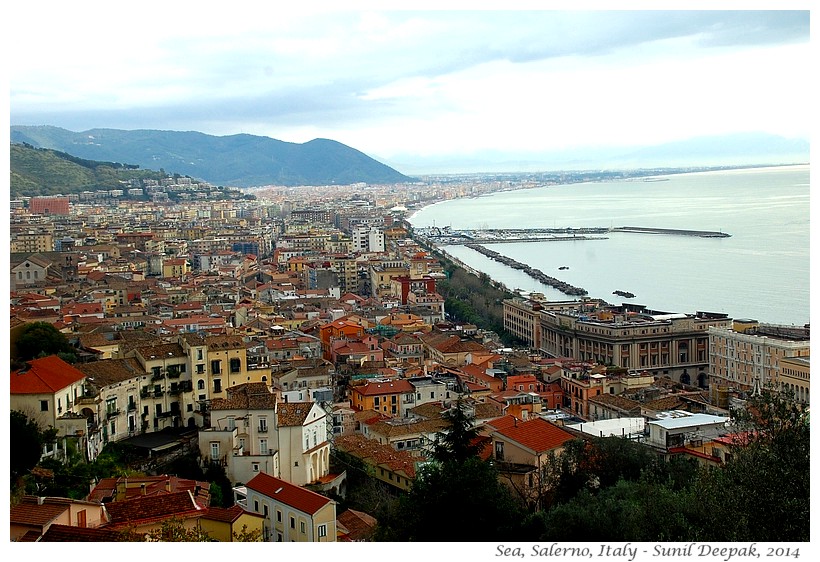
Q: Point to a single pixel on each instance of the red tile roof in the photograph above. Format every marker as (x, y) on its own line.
(148, 509)
(29, 512)
(228, 515)
(44, 376)
(359, 525)
(67, 533)
(282, 491)
(399, 386)
(536, 434)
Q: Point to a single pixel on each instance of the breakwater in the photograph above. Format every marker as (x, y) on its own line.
(536, 274)
(676, 231)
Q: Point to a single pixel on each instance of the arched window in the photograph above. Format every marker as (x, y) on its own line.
(200, 384)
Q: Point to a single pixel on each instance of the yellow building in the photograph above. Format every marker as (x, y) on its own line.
(740, 360)
(228, 525)
(291, 513)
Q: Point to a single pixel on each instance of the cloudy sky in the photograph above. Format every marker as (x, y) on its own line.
(405, 85)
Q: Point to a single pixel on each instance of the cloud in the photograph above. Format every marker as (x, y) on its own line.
(417, 82)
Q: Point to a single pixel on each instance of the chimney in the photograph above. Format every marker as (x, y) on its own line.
(40, 500)
(142, 489)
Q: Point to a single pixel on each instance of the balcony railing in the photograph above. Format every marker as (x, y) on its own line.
(262, 429)
(112, 412)
(157, 393)
(132, 406)
(157, 376)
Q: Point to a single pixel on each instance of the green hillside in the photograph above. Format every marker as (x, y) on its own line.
(39, 171)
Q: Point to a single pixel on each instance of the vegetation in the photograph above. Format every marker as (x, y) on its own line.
(41, 339)
(26, 441)
(456, 497)
(615, 490)
(474, 300)
(40, 171)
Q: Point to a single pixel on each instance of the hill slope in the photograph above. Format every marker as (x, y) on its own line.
(236, 160)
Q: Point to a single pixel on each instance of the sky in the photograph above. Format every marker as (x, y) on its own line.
(408, 86)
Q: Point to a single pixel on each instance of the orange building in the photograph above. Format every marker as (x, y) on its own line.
(384, 397)
(336, 330)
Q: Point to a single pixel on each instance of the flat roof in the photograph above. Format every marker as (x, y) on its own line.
(688, 421)
(613, 427)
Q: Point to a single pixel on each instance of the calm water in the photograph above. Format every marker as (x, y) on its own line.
(760, 272)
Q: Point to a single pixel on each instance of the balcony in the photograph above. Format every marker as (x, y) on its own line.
(132, 406)
(113, 412)
(145, 393)
(262, 429)
(157, 376)
(157, 393)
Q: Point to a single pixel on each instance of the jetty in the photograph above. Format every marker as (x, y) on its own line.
(536, 274)
(679, 232)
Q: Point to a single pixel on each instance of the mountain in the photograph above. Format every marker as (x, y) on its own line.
(234, 161)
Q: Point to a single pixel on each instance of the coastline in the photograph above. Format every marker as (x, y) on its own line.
(634, 261)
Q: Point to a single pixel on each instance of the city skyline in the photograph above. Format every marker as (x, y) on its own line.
(408, 87)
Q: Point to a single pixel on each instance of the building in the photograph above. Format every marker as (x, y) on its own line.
(291, 513)
(749, 354)
(49, 205)
(35, 515)
(677, 429)
(48, 390)
(634, 338)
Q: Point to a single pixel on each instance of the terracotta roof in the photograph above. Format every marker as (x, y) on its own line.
(147, 509)
(228, 515)
(399, 386)
(536, 434)
(44, 376)
(109, 371)
(293, 413)
(388, 429)
(359, 525)
(29, 512)
(67, 533)
(377, 453)
(216, 343)
(282, 491)
(161, 351)
(246, 396)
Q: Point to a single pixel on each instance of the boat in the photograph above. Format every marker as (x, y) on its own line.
(564, 267)
(624, 294)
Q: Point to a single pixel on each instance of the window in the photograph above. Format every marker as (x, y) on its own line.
(302, 527)
(263, 446)
(255, 467)
(236, 365)
(215, 455)
(113, 427)
(263, 425)
(278, 516)
(217, 385)
(376, 401)
(231, 422)
(81, 518)
(199, 355)
(499, 450)
(322, 530)
(216, 367)
(200, 369)
(44, 405)
(200, 384)
(265, 512)
(292, 523)
(256, 506)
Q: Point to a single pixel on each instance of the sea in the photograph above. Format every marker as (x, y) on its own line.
(760, 272)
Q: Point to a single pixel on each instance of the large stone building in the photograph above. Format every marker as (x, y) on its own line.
(634, 338)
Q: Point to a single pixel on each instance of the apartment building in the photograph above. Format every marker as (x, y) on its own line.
(748, 354)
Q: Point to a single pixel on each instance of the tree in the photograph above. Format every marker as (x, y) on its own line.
(245, 535)
(173, 530)
(40, 339)
(455, 502)
(763, 492)
(458, 442)
(26, 445)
